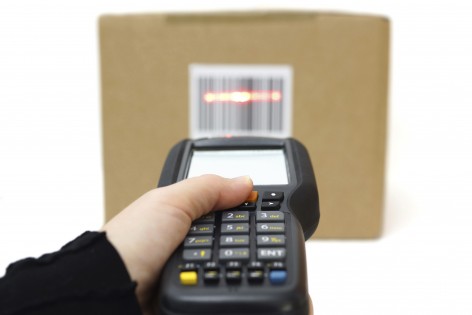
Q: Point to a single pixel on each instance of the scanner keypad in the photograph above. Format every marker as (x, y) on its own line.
(246, 244)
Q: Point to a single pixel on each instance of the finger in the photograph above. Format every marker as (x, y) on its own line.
(199, 195)
(311, 307)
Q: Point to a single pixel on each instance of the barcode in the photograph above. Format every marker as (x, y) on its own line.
(240, 100)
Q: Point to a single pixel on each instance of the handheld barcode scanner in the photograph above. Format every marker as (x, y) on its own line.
(249, 259)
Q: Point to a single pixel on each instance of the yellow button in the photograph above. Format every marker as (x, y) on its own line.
(188, 277)
(252, 196)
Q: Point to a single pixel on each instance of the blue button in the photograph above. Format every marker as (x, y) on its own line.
(277, 276)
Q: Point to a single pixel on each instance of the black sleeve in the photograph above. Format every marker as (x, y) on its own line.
(87, 276)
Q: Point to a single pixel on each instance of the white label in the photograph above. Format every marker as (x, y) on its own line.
(240, 100)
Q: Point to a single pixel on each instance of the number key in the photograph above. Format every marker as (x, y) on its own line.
(198, 241)
(234, 228)
(270, 228)
(270, 240)
(201, 229)
(235, 216)
(234, 254)
(269, 216)
(234, 240)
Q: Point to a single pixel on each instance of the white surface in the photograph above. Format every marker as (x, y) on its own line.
(50, 156)
(266, 167)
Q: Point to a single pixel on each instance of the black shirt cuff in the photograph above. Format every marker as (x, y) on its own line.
(87, 276)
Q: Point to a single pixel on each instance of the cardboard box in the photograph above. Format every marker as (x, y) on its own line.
(339, 91)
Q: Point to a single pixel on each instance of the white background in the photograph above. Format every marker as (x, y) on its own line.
(51, 186)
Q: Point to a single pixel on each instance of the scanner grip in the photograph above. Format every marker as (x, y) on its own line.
(170, 171)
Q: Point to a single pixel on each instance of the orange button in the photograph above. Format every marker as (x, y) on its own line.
(252, 196)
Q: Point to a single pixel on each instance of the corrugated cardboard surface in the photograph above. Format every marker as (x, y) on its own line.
(340, 79)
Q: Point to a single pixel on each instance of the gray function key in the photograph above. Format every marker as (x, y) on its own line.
(270, 228)
(269, 216)
(235, 228)
(248, 206)
(273, 195)
(201, 229)
(270, 205)
(271, 253)
(235, 216)
(197, 254)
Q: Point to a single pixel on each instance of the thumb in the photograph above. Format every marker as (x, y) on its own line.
(199, 195)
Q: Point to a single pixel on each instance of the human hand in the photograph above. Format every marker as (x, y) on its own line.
(148, 231)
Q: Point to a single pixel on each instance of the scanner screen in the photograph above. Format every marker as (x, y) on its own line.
(265, 167)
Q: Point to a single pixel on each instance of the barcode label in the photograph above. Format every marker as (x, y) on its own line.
(240, 100)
